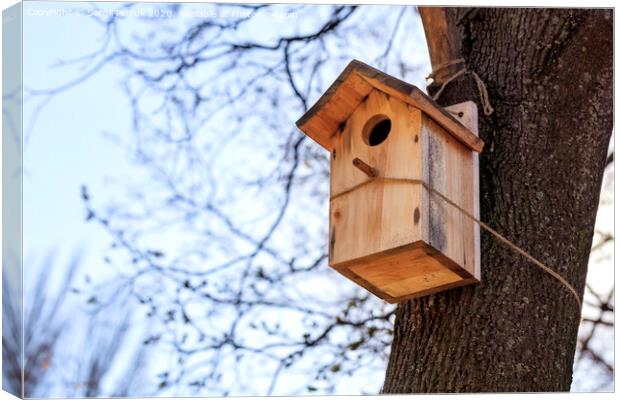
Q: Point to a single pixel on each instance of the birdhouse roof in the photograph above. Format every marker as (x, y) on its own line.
(350, 89)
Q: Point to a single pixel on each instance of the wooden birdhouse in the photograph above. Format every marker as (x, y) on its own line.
(389, 143)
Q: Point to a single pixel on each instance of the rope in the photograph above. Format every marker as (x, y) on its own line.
(482, 89)
(483, 225)
(443, 65)
(484, 95)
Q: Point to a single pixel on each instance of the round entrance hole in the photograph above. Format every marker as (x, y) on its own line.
(377, 130)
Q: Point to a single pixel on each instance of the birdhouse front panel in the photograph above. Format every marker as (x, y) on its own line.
(377, 216)
(389, 144)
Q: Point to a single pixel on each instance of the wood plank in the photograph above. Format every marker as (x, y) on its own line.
(451, 172)
(389, 237)
(418, 99)
(377, 216)
(467, 113)
(405, 272)
(322, 121)
(349, 91)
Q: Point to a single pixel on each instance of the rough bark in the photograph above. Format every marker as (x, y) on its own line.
(549, 75)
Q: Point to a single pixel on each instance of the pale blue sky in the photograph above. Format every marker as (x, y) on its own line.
(67, 146)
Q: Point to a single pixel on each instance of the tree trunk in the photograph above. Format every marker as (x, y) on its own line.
(549, 76)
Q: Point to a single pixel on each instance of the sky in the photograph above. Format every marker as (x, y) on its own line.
(67, 144)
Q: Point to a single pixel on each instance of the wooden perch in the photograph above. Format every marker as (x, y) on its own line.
(365, 168)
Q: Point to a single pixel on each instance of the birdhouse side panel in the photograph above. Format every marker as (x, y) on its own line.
(451, 170)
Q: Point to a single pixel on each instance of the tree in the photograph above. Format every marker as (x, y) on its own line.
(549, 74)
(216, 236)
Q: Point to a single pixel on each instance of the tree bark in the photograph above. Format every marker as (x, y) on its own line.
(549, 75)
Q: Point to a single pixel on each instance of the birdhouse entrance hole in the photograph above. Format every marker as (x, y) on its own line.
(377, 130)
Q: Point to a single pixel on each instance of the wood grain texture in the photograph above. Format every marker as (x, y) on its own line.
(467, 113)
(323, 120)
(453, 171)
(405, 272)
(377, 216)
(381, 218)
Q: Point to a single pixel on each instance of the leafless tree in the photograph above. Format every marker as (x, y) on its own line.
(220, 256)
(66, 352)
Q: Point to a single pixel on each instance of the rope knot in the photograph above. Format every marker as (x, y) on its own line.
(487, 109)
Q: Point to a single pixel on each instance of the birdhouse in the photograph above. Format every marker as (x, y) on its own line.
(392, 149)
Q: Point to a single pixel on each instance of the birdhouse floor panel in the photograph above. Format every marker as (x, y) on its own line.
(405, 272)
